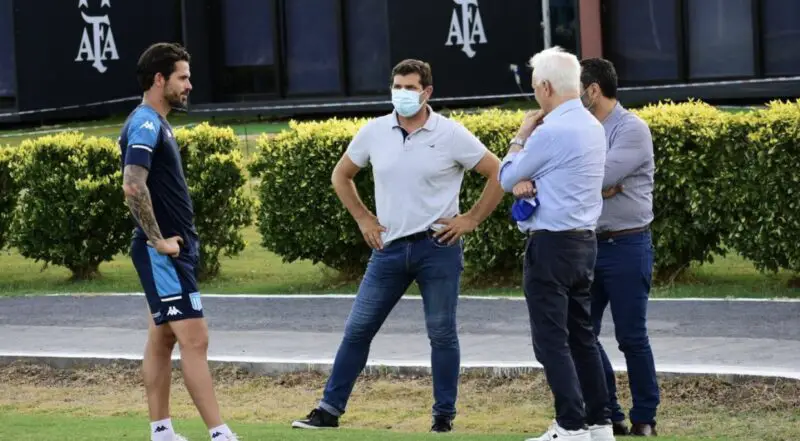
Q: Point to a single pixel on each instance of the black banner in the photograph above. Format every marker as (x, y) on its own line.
(470, 44)
(72, 52)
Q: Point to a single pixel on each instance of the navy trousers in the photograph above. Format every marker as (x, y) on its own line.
(622, 280)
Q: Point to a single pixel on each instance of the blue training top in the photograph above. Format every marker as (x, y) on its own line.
(146, 140)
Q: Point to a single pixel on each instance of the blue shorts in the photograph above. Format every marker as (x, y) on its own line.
(170, 284)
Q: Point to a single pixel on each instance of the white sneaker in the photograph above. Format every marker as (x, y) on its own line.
(231, 437)
(556, 432)
(602, 433)
(177, 437)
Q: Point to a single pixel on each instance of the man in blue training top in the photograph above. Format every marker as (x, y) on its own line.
(165, 247)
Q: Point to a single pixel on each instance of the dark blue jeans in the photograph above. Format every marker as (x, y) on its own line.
(558, 277)
(622, 280)
(437, 270)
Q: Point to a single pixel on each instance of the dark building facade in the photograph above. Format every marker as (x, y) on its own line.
(77, 58)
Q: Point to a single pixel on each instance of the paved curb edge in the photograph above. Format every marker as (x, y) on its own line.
(270, 367)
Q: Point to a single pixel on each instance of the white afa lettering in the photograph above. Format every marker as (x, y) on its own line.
(97, 43)
(469, 29)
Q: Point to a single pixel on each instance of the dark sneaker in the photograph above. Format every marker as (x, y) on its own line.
(644, 430)
(442, 424)
(317, 419)
(621, 429)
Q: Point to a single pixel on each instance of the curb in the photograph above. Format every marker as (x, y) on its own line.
(277, 367)
(350, 296)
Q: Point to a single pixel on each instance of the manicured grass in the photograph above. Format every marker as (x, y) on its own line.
(61, 428)
(110, 127)
(258, 271)
(107, 402)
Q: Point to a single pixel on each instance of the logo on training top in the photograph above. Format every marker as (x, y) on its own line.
(466, 27)
(97, 43)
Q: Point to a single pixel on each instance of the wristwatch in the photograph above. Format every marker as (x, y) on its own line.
(518, 141)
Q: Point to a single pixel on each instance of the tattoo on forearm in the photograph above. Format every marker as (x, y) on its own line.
(139, 201)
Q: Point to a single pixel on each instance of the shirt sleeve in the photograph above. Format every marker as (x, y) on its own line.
(535, 160)
(358, 150)
(143, 137)
(467, 149)
(630, 149)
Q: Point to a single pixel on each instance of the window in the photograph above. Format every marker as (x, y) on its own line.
(781, 37)
(720, 38)
(368, 64)
(249, 46)
(564, 24)
(7, 63)
(313, 55)
(642, 40)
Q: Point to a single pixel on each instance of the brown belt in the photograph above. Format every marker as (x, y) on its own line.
(605, 235)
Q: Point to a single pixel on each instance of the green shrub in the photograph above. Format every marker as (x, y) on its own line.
(216, 176)
(71, 210)
(497, 246)
(767, 204)
(301, 217)
(692, 212)
(8, 192)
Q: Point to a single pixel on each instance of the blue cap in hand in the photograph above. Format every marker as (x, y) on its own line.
(522, 209)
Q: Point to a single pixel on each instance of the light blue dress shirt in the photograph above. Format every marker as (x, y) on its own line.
(565, 157)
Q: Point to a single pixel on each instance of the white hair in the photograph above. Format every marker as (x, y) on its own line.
(562, 69)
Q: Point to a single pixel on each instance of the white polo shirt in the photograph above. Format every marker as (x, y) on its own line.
(417, 179)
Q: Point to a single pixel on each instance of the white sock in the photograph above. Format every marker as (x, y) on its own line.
(162, 430)
(219, 431)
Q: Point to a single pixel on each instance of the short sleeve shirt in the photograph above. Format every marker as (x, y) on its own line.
(146, 139)
(417, 175)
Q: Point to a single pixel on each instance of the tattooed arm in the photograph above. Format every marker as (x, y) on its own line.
(134, 183)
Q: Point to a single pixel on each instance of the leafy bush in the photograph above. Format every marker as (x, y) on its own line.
(691, 205)
(767, 204)
(8, 192)
(71, 210)
(301, 217)
(216, 176)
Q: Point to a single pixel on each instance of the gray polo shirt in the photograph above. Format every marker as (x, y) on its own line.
(629, 162)
(417, 177)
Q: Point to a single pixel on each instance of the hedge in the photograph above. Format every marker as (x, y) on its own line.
(691, 198)
(301, 217)
(767, 181)
(70, 211)
(8, 192)
(216, 175)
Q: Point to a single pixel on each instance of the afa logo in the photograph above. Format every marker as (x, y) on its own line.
(97, 43)
(469, 29)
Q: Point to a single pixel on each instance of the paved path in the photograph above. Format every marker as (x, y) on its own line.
(735, 337)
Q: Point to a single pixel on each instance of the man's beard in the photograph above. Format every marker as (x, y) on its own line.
(177, 103)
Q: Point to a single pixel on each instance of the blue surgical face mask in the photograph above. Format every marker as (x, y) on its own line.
(406, 102)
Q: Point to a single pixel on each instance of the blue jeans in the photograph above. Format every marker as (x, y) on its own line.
(437, 269)
(622, 279)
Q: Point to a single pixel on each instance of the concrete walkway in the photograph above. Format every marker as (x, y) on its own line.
(283, 333)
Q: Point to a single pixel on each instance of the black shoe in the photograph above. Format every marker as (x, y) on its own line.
(621, 429)
(644, 430)
(317, 419)
(442, 424)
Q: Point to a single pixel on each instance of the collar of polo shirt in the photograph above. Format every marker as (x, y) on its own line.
(430, 124)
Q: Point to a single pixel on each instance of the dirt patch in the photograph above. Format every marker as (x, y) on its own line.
(694, 406)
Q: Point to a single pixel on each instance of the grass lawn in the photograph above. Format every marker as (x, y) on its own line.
(110, 127)
(63, 428)
(41, 403)
(258, 271)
